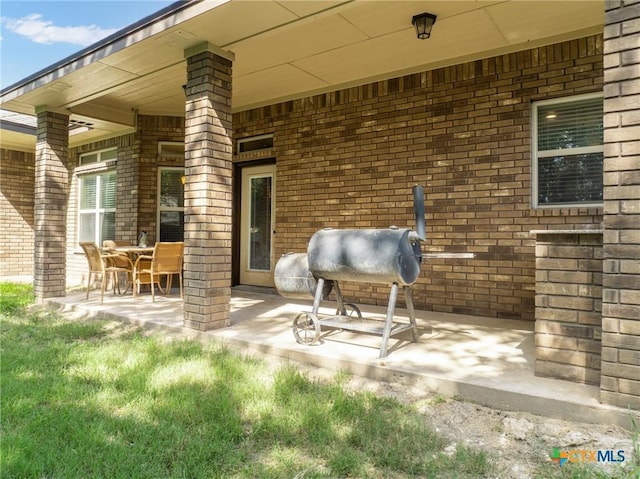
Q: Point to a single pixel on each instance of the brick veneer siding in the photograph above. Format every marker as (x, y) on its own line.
(208, 192)
(17, 176)
(569, 306)
(620, 384)
(151, 130)
(349, 158)
(50, 205)
(128, 190)
(77, 268)
(137, 172)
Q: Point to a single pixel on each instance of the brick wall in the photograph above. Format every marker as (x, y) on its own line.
(77, 268)
(151, 131)
(17, 176)
(569, 305)
(621, 294)
(136, 171)
(349, 158)
(128, 192)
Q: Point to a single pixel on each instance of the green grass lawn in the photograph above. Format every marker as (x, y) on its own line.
(85, 399)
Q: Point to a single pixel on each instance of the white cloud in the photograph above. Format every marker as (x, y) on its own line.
(35, 28)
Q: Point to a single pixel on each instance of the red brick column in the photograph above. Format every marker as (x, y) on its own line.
(51, 198)
(208, 190)
(620, 381)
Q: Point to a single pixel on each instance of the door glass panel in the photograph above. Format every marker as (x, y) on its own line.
(171, 188)
(260, 224)
(172, 226)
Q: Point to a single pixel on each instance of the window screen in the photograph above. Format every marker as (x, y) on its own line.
(568, 135)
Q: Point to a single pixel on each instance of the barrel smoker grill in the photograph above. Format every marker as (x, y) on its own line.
(392, 256)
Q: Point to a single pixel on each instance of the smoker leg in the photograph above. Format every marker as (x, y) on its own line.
(341, 308)
(393, 296)
(412, 313)
(318, 297)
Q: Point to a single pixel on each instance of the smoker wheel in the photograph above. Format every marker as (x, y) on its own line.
(351, 311)
(306, 328)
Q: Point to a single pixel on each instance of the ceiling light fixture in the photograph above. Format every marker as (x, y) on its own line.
(423, 23)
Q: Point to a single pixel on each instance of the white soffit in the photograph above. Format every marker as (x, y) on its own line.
(308, 7)
(514, 18)
(472, 32)
(282, 79)
(236, 20)
(139, 59)
(295, 43)
(376, 18)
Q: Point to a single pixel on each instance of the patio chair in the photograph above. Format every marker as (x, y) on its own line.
(101, 264)
(119, 259)
(166, 261)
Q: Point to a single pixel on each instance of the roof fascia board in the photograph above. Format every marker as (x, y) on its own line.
(17, 127)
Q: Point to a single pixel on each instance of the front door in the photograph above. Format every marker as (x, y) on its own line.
(257, 225)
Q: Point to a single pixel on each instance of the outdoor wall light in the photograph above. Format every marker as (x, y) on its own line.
(423, 24)
(183, 180)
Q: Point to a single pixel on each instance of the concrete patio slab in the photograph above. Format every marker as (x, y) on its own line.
(487, 361)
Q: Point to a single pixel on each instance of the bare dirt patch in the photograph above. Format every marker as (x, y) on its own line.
(518, 442)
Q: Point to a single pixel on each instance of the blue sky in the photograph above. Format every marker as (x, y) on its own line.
(36, 34)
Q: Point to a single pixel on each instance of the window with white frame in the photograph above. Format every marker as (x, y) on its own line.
(568, 153)
(171, 204)
(97, 207)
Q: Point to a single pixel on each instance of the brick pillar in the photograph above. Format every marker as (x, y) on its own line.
(128, 192)
(568, 305)
(208, 190)
(51, 198)
(620, 381)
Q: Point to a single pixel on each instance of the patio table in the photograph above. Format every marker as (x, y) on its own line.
(133, 252)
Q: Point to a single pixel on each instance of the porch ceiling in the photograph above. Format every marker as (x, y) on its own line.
(286, 49)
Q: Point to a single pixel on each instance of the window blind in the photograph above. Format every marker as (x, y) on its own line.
(570, 125)
(569, 153)
(570, 179)
(171, 204)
